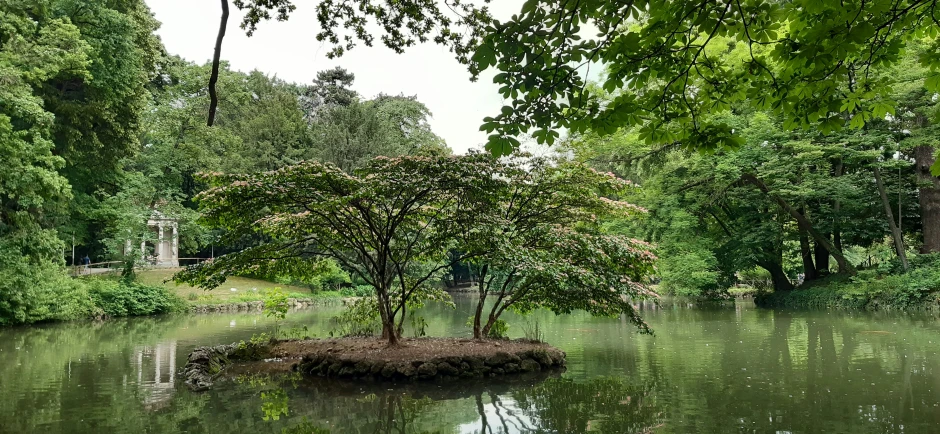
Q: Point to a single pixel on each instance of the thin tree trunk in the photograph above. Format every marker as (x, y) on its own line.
(482, 289)
(929, 196)
(809, 268)
(806, 253)
(214, 76)
(895, 231)
(837, 208)
(477, 333)
(844, 265)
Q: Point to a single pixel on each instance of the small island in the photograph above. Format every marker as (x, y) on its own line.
(399, 225)
(414, 359)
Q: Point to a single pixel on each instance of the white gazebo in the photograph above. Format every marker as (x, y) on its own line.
(165, 241)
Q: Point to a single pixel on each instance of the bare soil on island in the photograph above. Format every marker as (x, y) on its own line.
(409, 350)
(372, 358)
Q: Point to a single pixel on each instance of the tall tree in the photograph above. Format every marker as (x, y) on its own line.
(351, 135)
(37, 50)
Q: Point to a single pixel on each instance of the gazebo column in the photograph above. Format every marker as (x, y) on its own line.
(175, 255)
(158, 246)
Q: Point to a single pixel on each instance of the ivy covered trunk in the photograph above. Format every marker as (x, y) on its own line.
(929, 198)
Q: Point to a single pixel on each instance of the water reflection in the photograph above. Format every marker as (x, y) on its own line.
(156, 373)
(707, 369)
(537, 404)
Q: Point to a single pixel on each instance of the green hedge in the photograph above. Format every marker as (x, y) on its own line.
(40, 292)
(113, 298)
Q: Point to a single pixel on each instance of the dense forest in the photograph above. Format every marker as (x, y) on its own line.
(100, 127)
(786, 207)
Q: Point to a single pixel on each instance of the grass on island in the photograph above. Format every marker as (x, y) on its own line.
(245, 289)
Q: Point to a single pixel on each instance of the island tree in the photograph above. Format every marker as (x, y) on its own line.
(390, 223)
(540, 245)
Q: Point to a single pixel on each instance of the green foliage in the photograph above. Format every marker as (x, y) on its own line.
(917, 289)
(499, 330)
(304, 427)
(274, 404)
(532, 330)
(688, 274)
(121, 298)
(256, 348)
(329, 277)
(361, 318)
(358, 291)
(312, 211)
(32, 293)
(672, 65)
(35, 292)
(539, 244)
(36, 50)
(275, 306)
(418, 326)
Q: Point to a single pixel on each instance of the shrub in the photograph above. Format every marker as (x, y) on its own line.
(119, 298)
(357, 291)
(358, 319)
(43, 291)
(275, 306)
(918, 288)
(37, 292)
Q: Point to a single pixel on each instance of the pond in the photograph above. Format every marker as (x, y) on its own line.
(729, 369)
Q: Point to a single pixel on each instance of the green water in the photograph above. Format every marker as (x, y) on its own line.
(734, 369)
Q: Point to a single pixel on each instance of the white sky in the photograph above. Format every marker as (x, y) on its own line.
(289, 50)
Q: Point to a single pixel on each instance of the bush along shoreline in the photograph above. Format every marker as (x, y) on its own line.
(58, 297)
(916, 290)
(65, 299)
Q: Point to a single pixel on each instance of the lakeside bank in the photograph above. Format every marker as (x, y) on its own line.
(105, 296)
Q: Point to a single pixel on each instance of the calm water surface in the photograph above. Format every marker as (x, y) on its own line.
(715, 370)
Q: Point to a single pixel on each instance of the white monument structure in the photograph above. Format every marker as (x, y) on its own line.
(164, 240)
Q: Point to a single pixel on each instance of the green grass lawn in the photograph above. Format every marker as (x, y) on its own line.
(246, 289)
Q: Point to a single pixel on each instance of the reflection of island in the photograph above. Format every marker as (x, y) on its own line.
(607, 405)
(156, 373)
(544, 403)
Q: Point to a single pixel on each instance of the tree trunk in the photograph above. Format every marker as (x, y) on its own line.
(477, 333)
(822, 258)
(844, 265)
(388, 323)
(837, 208)
(482, 288)
(809, 268)
(779, 278)
(929, 195)
(895, 231)
(214, 75)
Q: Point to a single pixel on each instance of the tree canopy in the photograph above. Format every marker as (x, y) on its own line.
(670, 65)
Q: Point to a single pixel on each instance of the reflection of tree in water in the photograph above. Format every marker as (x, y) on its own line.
(604, 404)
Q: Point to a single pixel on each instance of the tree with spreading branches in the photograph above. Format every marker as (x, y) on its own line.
(808, 61)
(540, 245)
(390, 223)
